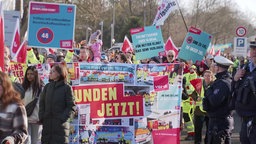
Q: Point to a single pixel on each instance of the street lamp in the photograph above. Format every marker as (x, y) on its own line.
(101, 25)
(87, 33)
(112, 34)
(144, 12)
(113, 23)
(101, 28)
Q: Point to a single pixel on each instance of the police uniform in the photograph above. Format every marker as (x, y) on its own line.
(244, 101)
(215, 103)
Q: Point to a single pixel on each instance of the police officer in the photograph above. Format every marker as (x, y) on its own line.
(245, 97)
(216, 105)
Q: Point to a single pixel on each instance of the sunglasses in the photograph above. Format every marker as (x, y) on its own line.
(170, 55)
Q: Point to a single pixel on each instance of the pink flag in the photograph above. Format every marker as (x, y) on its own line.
(16, 39)
(212, 51)
(127, 46)
(1, 36)
(21, 54)
(218, 53)
(169, 45)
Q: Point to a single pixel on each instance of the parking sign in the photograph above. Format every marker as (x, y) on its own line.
(240, 42)
(240, 46)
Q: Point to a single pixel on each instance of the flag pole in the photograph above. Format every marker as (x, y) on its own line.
(182, 16)
(1, 37)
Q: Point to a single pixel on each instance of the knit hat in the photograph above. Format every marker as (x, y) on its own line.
(52, 56)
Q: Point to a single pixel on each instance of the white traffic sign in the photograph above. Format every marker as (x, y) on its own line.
(240, 46)
(241, 31)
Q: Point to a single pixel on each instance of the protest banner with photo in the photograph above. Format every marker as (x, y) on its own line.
(147, 42)
(124, 109)
(195, 45)
(115, 110)
(147, 72)
(51, 25)
(84, 129)
(105, 73)
(74, 72)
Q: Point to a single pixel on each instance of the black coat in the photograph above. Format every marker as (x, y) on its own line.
(56, 106)
(216, 101)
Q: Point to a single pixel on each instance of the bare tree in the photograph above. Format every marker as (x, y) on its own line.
(217, 17)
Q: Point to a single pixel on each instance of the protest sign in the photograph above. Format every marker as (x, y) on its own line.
(51, 25)
(195, 45)
(147, 42)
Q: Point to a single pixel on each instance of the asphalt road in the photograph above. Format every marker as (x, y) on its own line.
(235, 134)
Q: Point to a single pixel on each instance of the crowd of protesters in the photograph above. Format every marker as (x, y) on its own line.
(48, 122)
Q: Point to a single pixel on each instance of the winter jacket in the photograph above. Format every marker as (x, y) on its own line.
(56, 106)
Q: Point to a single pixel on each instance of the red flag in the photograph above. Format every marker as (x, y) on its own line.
(127, 46)
(1, 36)
(218, 53)
(212, 51)
(169, 45)
(51, 51)
(21, 54)
(16, 39)
(197, 84)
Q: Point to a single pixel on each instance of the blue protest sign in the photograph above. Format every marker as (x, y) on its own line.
(51, 25)
(147, 42)
(195, 45)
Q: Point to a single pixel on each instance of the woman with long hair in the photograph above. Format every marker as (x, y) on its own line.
(33, 87)
(13, 117)
(56, 106)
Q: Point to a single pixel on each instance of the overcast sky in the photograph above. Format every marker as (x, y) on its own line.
(248, 7)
